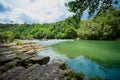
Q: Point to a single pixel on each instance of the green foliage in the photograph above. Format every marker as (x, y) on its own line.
(97, 78)
(76, 76)
(19, 43)
(70, 33)
(95, 6)
(7, 36)
(105, 26)
(110, 20)
(94, 31)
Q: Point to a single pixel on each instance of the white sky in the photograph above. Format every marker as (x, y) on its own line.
(33, 11)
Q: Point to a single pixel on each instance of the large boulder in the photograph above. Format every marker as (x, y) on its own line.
(41, 60)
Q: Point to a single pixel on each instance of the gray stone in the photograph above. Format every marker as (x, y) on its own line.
(35, 72)
(7, 52)
(2, 69)
(26, 71)
(33, 67)
(11, 73)
(30, 52)
(8, 66)
(12, 64)
(4, 59)
(61, 64)
(24, 59)
(44, 72)
(23, 56)
(41, 60)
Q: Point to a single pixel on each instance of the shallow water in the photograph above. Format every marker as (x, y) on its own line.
(47, 42)
(84, 65)
(79, 64)
(92, 69)
(53, 55)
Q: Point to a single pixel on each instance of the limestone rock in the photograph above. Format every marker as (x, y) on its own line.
(61, 64)
(30, 52)
(41, 60)
(2, 69)
(35, 72)
(4, 59)
(23, 56)
(12, 64)
(11, 73)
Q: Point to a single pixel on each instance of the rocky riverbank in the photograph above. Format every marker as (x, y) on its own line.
(17, 54)
(18, 61)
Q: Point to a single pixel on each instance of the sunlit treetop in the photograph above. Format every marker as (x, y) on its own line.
(94, 6)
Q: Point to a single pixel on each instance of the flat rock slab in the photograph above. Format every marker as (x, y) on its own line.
(31, 52)
(11, 73)
(35, 72)
(40, 59)
(4, 59)
(23, 56)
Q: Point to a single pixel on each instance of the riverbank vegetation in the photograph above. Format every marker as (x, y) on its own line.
(104, 26)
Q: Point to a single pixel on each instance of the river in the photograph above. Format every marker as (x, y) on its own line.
(79, 64)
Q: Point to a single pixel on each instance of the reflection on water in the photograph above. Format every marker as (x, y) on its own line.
(53, 56)
(90, 68)
(82, 64)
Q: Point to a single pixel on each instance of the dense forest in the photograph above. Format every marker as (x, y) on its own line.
(104, 26)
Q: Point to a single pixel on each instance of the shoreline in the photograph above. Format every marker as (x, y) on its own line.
(23, 56)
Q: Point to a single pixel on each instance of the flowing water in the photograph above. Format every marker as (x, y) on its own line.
(80, 63)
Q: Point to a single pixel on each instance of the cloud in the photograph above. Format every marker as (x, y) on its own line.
(33, 11)
(3, 8)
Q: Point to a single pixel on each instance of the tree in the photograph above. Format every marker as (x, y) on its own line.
(7, 36)
(111, 19)
(79, 6)
(71, 33)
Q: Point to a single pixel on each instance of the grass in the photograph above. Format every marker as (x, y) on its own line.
(107, 52)
(75, 76)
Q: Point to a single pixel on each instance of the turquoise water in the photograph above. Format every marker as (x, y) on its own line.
(92, 69)
(84, 65)
(80, 64)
